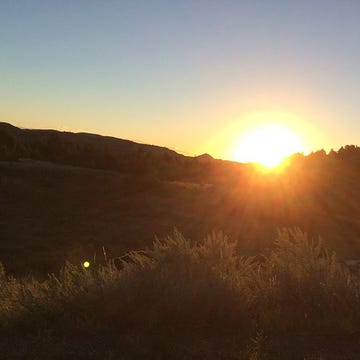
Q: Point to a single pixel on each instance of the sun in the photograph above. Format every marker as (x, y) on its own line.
(267, 145)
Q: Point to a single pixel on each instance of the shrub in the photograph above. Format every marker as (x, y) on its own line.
(309, 287)
(179, 293)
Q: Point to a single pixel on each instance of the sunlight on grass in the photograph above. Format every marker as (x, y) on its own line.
(198, 290)
(272, 168)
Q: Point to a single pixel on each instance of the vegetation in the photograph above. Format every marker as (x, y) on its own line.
(64, 196)
(67, 198)
(182, 301)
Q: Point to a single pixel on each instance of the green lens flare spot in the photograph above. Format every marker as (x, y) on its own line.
(86, 264)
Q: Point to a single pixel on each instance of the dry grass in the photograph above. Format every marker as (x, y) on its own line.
(178, 300)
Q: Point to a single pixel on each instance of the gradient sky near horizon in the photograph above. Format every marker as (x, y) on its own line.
(190, 75)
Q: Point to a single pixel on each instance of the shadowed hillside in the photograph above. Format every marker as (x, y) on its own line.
(65, 196)
(104, 152)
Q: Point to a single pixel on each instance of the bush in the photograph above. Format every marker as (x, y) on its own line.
(308, 288)
(178, 293)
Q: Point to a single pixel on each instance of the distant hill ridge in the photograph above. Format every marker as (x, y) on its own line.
(31, 135)
(100, 152)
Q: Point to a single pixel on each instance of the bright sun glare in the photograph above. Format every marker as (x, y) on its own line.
(267, 145)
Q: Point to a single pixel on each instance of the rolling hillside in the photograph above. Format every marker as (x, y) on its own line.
(65, 196)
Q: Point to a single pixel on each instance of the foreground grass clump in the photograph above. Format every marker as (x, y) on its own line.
(180, 300)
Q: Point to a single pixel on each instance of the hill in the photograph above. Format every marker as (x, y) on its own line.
(103, 152)
(65, 196)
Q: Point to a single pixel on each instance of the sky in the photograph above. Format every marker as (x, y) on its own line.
(191, 75)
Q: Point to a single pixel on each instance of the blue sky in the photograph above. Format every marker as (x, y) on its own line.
(190, 75)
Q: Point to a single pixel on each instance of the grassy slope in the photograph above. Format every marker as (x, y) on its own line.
(53, 213)
(183, 299)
